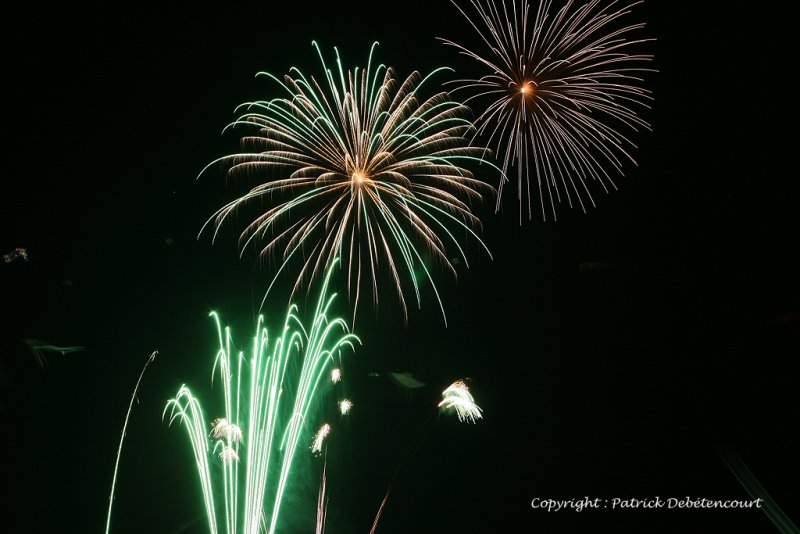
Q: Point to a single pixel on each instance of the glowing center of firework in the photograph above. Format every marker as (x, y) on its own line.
(359, 178)
(345, 406)
(527, 88)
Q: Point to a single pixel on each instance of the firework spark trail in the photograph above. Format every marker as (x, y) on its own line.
(269, 403)
(411, 448)
(561, 85)
(365, 169)
(186, 407)
(322, 500)
(122, 438)
(754, 488)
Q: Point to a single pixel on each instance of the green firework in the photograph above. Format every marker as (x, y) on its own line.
(358, 165)
(244, 459)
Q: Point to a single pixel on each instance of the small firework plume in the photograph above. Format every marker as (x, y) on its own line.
(228, 454)
(358, 165)
(458, 397)
(560, 87)
(319, 438)
(336, 375)
(345, 406)
(269, 398)
(222, 429)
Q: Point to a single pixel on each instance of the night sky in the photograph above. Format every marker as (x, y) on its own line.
(614, 382)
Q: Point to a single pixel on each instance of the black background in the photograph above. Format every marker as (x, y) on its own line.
(604, 383)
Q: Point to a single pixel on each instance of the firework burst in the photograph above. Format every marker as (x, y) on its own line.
(270, 399)
(358, 165)
(561, 86)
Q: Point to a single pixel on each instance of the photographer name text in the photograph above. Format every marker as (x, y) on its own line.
(649, 503)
